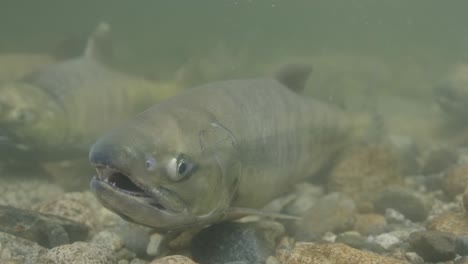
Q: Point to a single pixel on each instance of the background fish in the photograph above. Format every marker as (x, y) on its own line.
(55, 114)
(218, 149)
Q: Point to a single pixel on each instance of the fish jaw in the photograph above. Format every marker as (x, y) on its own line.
(134, 201)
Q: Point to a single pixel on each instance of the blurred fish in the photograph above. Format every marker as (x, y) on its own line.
(16, 65)
(451, 94)
(216, 152)
(57, 112)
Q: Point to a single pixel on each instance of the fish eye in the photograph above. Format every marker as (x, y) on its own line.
(150, 164)
(180, 168)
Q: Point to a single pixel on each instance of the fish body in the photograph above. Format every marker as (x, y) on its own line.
(190, 160)
(58, 111)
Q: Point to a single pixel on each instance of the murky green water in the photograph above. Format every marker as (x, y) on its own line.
(393, 75)
(162, 35)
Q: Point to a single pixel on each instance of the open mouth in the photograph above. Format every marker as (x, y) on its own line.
(121, 182)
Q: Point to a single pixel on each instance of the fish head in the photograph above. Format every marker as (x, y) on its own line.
(168, 173)
(28, 115)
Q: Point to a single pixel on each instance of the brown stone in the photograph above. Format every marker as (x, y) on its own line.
(455, 223)
(175, 259)
(335, 253)
(367, 224)
(364, 173)
(455, 180)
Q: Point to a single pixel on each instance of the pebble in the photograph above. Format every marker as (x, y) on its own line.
(394, 217)
(138, 261)
(465, 199)
(455, 180)
(437, 160)
(452, 222)
(406, 201)
(134, 237)
(79, 253)
(434, 246)
(387, 241)
(272, 260)
(229, 242)
(154, 245)
(108, 239)
(370, 224)
(414, 258)
(175, 259)
(463, 260)
(462, 245)
(80, 207)
(306, 196)
(355, 240)
(352, 239)
(25, 193)
(339, 211)
(47, 230)
(183, 240)
(364, 173)
(13, 248)
(335, 253)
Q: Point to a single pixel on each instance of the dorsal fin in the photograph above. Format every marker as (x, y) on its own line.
(294, 76)
(99, 45)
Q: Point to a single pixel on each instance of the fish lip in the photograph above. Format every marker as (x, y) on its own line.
(107, 174)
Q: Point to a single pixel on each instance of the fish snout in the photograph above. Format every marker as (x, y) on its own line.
(108, 154)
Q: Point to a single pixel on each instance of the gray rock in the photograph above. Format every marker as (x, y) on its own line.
(462, 245)
(47, 230)
(138, 261)
(355, 240)
(335, 212)
(306, 196)
(81, 207)
(414, 258)
(438, 160)
(108, 239)
(155, 244)
(405, 201)
(463, 260)
(387, 241)
(394, 217)
(235, 242)
(135, 237)
(13, 248)
(434, 246)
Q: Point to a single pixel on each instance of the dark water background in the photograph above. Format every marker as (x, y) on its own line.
(159, 36)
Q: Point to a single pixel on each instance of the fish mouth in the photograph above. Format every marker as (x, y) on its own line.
(121, 183)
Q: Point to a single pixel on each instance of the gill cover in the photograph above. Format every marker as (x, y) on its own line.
(218, 142)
